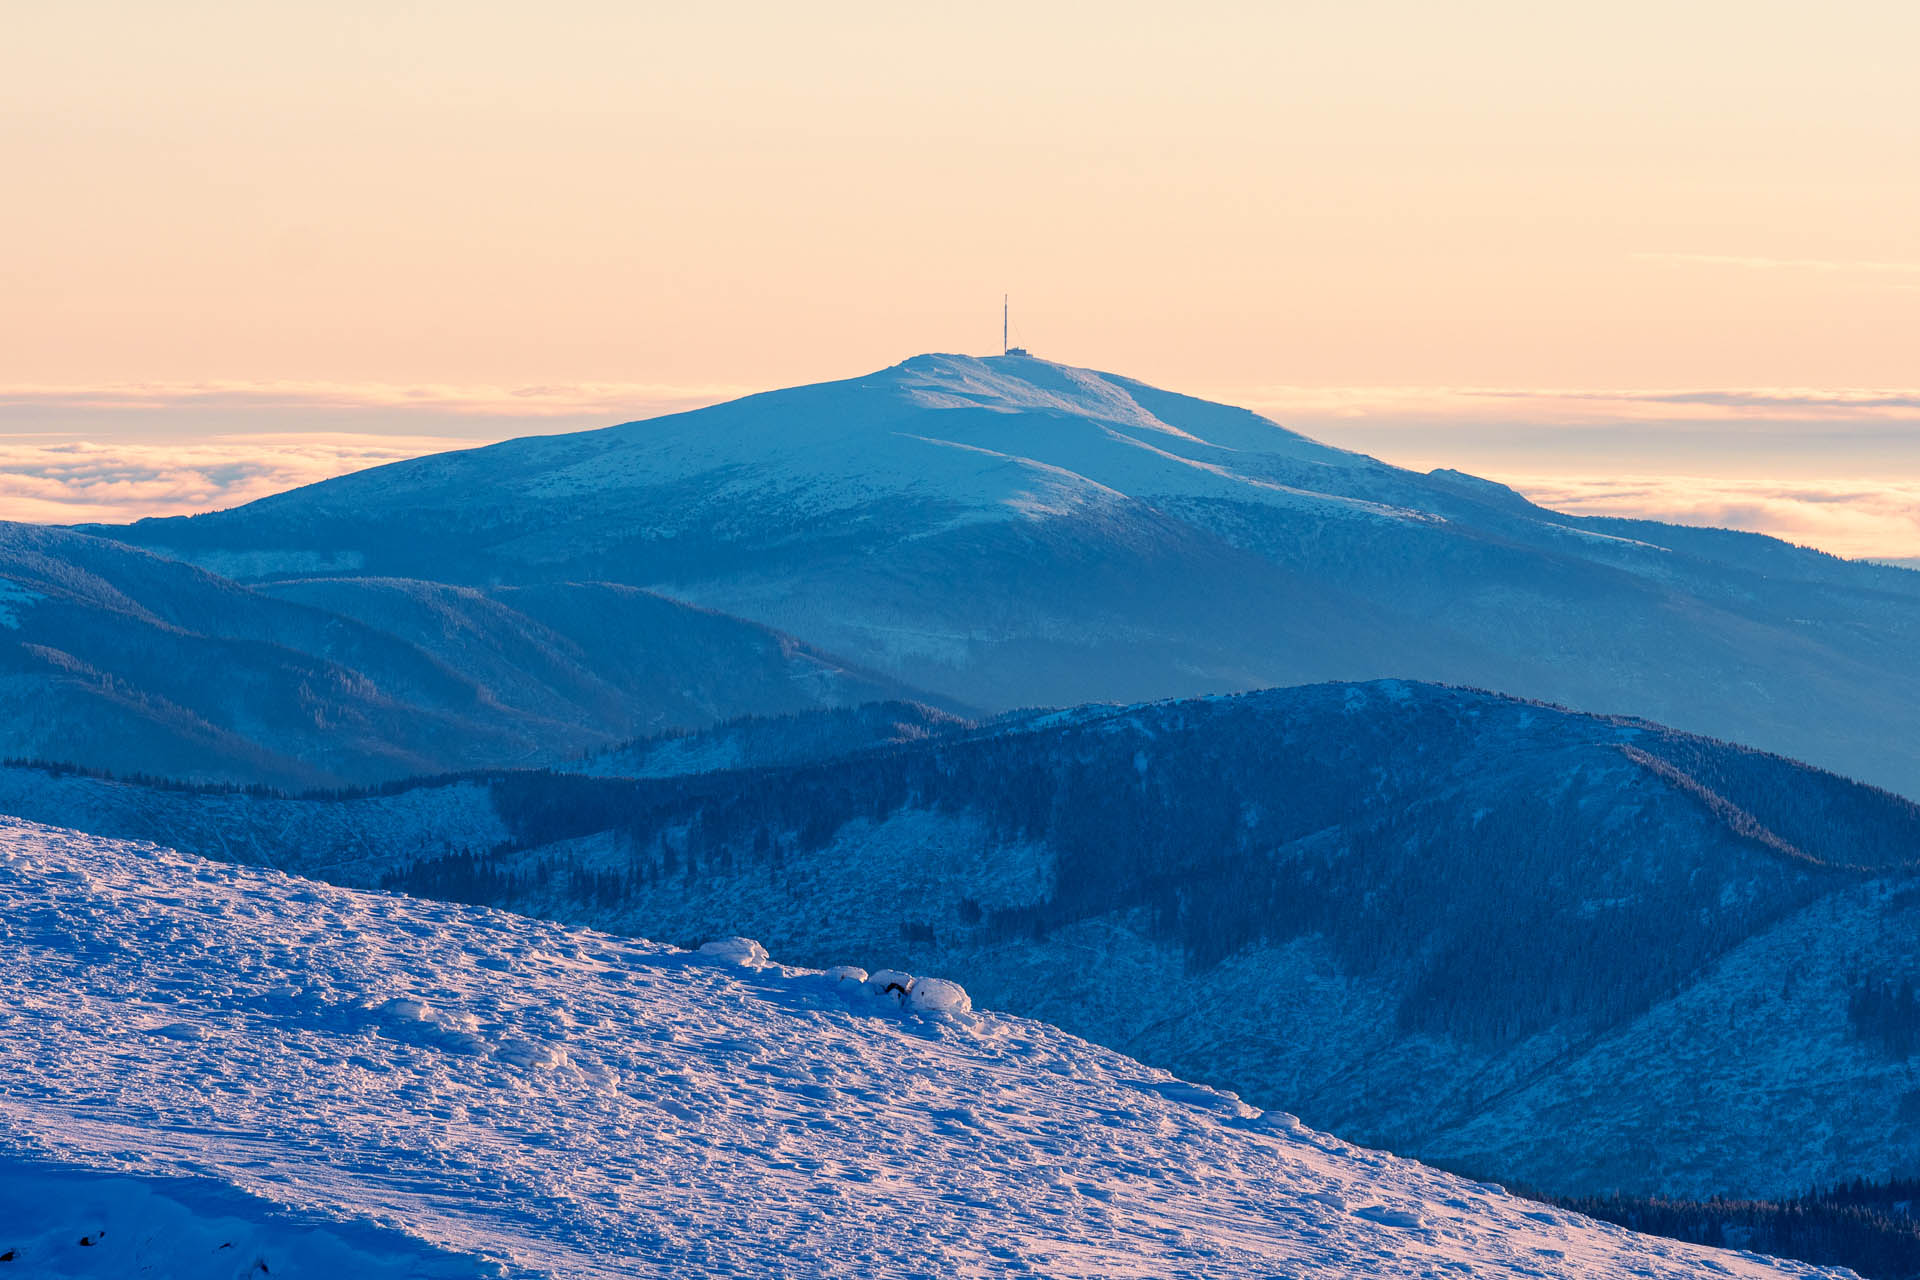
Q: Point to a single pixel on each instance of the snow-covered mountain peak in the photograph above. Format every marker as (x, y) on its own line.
(996, 436)
(197, 1058)
(1008, 531)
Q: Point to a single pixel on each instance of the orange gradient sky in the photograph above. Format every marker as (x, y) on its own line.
(468, 221)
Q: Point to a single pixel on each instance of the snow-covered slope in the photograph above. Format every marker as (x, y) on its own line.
(117, 659)
(1577, 952)
(585, 660)
(1010, 532)
(213, 1071)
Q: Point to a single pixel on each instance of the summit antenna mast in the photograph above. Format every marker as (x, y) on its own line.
(1006, 334)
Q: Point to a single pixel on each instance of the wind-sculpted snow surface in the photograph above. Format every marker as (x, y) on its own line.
(214, 1071)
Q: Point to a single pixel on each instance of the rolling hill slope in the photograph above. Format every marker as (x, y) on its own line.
(222, 1071)
(122, 660)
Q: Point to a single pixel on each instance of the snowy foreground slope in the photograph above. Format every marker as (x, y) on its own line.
(208, 1070)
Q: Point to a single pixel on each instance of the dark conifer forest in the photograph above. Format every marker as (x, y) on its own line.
(1869, 1227)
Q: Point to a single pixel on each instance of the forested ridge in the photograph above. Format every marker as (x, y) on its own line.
(1446, 831)
(1869, 1227)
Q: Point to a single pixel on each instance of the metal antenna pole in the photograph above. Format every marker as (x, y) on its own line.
(1003, 324)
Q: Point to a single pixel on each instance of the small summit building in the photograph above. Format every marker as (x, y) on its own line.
(1006, 346)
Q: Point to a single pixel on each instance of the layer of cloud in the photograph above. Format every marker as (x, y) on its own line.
(77, 481)
(1852, 517)
(613, 401)
(1574, 406)
(122, 452)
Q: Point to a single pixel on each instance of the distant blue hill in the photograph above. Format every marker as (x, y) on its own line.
(1009, 532)
(118, 659)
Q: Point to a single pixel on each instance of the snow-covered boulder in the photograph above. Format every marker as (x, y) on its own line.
(891, 984)
(846, 976)
(409, 1021)
(936, 997)
(740, 951)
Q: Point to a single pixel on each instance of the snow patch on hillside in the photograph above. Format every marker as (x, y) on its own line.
(1025, 386)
